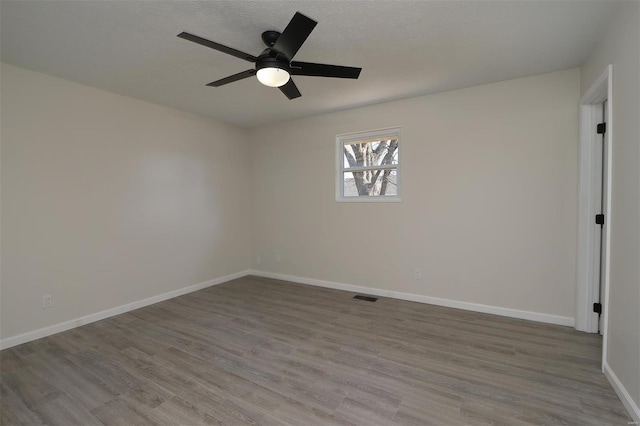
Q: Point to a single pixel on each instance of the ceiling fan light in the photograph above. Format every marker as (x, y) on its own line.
(272, 77)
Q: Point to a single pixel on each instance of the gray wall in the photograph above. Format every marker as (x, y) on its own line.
(621, 47)
(489, 197)
(108, 200)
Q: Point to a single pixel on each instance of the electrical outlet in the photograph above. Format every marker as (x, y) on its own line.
(277, 258)
(417, 274)
(258, 260)
(47, 301)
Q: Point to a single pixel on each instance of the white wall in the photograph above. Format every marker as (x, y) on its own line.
(489, 196)
(620, 47)
(107, 200)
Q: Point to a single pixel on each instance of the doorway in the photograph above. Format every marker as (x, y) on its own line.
(594, 211)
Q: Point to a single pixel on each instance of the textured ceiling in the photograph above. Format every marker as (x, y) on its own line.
(406, 48)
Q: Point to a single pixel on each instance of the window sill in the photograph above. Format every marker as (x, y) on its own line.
(369, 200)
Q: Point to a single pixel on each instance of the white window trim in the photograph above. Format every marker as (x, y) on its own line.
(340, 169)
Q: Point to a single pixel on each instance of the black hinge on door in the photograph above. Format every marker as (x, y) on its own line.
(600, 219)
(601, 128)
(597, 308)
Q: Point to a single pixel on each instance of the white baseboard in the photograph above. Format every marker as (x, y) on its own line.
(67, 325)
(624, 396)
(496, 310)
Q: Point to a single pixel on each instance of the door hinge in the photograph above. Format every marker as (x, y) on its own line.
(601, 128)
(600, 219)
(597, 308)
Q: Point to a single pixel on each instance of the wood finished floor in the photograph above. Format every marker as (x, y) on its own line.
(266, 352)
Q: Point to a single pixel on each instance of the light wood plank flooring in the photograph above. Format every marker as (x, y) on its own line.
(266, 352)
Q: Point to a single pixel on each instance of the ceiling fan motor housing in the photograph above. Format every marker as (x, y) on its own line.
(265, 60)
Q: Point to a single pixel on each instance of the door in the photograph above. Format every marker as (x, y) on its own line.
(603, 204)
(601, 162)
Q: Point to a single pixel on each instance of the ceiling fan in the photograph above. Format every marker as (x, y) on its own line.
(274, 66)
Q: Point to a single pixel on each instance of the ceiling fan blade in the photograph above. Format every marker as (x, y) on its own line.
(294, 35)
(232, 78)
(323, 70)
(217, 46)
(290, 90)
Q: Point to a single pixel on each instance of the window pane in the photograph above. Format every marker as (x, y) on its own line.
(371, 183)
(370, 153)
(377, 152)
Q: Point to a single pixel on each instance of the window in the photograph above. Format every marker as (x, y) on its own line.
(368, 166)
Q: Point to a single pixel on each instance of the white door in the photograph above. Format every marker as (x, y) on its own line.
(600, 211)
(604, 230)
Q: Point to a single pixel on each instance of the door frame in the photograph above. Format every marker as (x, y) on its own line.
(590, 116)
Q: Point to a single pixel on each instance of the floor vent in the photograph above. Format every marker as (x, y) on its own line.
(367, 298)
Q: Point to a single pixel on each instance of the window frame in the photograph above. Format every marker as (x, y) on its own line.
(341, 139)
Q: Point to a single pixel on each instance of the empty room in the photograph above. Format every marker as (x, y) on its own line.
(320, 212)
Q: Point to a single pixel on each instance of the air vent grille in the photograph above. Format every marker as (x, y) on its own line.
(365, 298)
